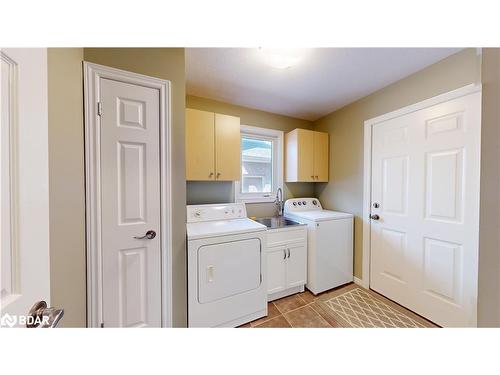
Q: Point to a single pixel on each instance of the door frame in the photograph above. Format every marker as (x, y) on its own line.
(367, 163)
(92, 75)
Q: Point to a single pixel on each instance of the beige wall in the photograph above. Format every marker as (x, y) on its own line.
(67, 217)
(344, 191)
(67, 184)
(222, 192)
(489, 233)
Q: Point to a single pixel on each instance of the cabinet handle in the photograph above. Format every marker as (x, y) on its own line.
(312, 177)
(288, 252)
(284, 252)
(218, 174)
(316, 177)
(211, 174)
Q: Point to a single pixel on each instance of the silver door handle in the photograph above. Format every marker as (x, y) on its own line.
(150, 234)
(374, 217)
(42, 316)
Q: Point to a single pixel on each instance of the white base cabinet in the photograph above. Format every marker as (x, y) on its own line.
(286, 261)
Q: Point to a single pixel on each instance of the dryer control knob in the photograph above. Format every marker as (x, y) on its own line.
(315, 202)
(304, 203)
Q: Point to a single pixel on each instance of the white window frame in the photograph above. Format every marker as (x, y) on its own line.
(276, 136)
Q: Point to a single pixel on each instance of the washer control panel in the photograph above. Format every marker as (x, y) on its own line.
(302, 204)
(211, 212)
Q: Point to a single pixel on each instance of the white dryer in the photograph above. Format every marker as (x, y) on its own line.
(329, 243)
(226, 266)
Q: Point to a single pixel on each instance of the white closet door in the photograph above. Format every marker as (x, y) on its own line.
(24, 184)
(425, 181)
(130, 174)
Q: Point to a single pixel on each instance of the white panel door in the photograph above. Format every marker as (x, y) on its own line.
(24, 187)
(425, 191)
(130, 175)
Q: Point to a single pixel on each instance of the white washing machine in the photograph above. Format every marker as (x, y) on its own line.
(226, 266)
(329, 243)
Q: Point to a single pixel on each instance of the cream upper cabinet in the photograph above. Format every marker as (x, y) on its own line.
(212, 146)
(227, 148)
(320, 157)
(306, 156)
(200, 145)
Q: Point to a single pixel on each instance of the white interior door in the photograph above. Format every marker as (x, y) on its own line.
(130, 175)
(24, 219)
(425, 190)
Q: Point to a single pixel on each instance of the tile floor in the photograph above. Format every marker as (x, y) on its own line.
(295, 311)
(302, 310)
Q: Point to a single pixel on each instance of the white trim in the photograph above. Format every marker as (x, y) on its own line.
(358, 281)
(12, 183)
(266, 134)
(463, 91)
(92, 76)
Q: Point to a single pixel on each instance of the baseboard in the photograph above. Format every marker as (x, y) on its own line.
(358, 281)
(284, 293)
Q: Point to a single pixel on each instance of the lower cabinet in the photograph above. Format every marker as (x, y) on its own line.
(286, 262)
(296, 266)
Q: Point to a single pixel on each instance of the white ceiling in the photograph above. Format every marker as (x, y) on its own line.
(325, 80)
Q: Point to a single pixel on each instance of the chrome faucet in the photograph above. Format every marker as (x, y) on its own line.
(279, 201)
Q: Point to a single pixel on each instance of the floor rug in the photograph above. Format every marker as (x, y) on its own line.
(357, 307)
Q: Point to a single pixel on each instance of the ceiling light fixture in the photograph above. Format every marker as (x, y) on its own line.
(282, 58)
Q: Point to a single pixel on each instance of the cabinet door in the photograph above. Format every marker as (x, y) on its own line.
(296, 273)
(320, 157)
(276, 276)
(227, 148)
(200, 145)
(305, 140)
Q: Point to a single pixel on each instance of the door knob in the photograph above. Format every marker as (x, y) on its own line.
(374, 217)
(42, 316)
(150, 234)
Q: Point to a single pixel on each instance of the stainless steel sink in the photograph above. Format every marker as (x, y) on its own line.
(276, 222)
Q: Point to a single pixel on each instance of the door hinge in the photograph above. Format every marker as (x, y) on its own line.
(102, 325)
(99, 108)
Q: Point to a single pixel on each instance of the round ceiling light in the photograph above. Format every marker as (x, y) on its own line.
(282, 58)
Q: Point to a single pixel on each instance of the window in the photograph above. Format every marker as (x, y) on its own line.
(261, 165)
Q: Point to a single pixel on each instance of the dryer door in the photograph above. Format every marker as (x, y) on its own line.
(229, 268)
